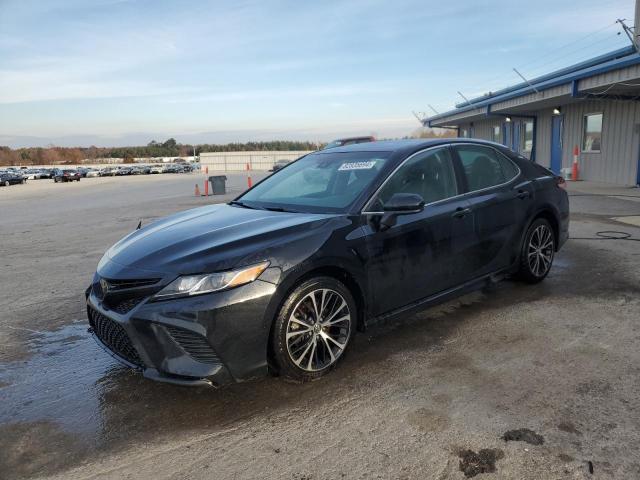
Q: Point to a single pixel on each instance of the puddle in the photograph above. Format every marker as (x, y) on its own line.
(68, 401)
(46, 386)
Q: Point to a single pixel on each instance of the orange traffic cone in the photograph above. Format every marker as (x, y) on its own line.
(575, 170)
(249, 182)
(197, 190)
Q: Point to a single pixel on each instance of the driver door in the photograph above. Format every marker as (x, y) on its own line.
(415, 258)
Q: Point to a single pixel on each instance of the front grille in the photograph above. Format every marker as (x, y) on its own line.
(113, 336)
(192, 343)
(124, 306)
(131, 283)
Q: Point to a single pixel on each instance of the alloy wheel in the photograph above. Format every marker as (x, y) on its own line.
(540, 250)
(318, 330)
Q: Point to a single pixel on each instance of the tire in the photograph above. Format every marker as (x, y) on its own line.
(538, 250)
(7, 183)
(313, 349)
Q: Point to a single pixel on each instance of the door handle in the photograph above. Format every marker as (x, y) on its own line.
(522, 194)
(461, 212)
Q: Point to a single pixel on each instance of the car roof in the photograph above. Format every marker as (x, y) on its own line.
(403, 146)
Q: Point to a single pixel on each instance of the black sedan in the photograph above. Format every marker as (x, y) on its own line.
(10, 178)
(66, 175)
(282, 277)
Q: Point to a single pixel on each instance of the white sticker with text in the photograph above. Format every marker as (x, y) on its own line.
(358, 165)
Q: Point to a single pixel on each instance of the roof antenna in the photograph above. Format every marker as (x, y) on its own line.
(465, 98)
(526, 81)
(630, 33)
(139, 225)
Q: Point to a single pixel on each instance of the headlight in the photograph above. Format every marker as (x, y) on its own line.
(198, 284)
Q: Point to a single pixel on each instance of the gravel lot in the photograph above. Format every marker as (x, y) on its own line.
(427, 397)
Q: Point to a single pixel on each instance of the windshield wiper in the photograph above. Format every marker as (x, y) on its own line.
(279, 209)
(242, 204)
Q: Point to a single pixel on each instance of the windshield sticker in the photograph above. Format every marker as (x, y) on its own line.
(358, 165)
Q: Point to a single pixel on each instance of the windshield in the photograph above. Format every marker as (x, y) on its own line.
(318, 183)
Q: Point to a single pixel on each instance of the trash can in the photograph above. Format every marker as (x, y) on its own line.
(218, 184)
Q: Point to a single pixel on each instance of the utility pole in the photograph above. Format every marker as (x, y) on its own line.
(636, 25)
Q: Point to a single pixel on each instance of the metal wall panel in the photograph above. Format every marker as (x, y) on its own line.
(482, 129)
(543, 138)
(617, 160)
(605, 79)
(554, 92)
(237, 161)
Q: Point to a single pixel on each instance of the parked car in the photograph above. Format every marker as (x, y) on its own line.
(288, 271)
(342, 142)
(107, 172)
(170, 168)
(66, 175)
(46, 173)
(92, 172)
(33, 174)
(280, 164)
(123, 171)
(11, 178)
(157, 169)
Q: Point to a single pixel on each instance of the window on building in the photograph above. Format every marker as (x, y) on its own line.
(495, 134)
(592, 132)
(464, 133)
(527, 136)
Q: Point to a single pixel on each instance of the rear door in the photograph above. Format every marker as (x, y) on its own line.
(498, 197)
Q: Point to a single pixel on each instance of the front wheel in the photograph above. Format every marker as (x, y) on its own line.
(538, 250)
(313, 329)
(7, 183)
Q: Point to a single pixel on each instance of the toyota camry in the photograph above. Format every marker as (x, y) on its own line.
(281, 278)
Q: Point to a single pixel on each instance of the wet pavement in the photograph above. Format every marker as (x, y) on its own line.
(413, 399)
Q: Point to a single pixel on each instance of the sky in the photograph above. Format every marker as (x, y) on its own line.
(125, 72)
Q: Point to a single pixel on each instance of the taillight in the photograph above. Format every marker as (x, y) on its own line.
(560, 182)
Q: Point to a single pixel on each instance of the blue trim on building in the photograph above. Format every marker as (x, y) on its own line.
(615, 60)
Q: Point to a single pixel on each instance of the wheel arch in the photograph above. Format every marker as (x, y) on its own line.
(334, 270)
(547, 212)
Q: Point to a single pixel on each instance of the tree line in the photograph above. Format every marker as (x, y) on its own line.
(170, 148)
(73, 155)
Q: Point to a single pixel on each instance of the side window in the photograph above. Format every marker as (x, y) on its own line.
(429, 175)
(508, 167)
(484, 168)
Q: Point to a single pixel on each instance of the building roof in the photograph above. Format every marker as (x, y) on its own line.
(617, 59)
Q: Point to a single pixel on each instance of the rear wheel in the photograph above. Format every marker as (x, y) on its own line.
(538, 250)
(7, 183)
(313, 329)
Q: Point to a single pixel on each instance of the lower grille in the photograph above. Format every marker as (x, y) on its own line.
(195, 345)
(113, 336)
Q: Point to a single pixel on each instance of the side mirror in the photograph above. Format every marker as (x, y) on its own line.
(400, 204)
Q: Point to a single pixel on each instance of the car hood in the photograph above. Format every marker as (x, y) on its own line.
(211, 238)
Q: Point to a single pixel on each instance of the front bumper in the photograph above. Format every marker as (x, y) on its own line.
(211, 339)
